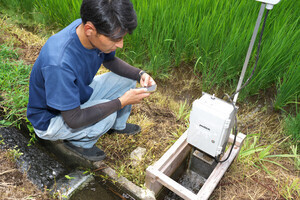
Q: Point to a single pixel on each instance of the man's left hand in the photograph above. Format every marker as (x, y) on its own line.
(146, 80)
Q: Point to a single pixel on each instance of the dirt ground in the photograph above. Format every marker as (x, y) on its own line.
(164, 117)
(13, 183)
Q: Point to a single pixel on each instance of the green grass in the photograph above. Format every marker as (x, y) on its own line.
(256, 154)
(14, 86)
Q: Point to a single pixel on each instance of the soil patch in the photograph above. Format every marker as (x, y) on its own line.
(14, 184)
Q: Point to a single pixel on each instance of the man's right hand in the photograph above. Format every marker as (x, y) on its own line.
(133, 96)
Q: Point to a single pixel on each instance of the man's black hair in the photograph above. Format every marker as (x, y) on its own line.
(112, 18)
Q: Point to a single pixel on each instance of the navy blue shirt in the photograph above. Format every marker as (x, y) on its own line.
(61, 75)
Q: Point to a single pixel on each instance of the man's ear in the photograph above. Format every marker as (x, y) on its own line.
(89, 29)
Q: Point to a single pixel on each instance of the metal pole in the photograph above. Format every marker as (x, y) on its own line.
(261, 12)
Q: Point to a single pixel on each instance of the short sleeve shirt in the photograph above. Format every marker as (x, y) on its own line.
(61, 76)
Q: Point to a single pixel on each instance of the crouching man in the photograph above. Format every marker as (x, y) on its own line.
(66, 100)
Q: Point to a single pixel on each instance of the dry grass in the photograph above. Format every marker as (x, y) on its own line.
(29, 44)
(249, 182)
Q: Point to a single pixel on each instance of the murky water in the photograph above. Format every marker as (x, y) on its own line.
(100, 190)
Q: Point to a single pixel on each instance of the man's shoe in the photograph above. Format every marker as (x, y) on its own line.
(131, 129)
(92, 154)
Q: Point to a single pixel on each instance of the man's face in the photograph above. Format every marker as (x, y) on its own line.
(105, 44)
(99, 41)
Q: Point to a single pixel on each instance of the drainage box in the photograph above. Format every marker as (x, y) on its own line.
(160, 174)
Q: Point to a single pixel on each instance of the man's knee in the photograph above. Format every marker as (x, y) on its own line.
(102, 126)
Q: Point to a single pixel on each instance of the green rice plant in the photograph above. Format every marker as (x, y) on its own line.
(23, 6)
(22, 12)
(276, 57)
(217, 35)
(224, 32)
(57, 12)
(289, 87)
(292, 128)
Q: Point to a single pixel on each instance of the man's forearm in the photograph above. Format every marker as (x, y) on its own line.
(122, 68)
(77, 117)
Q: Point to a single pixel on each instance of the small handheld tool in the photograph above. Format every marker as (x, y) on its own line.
(151, 88)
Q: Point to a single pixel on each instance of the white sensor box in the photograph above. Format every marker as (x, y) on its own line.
(273, 2)
(211, 122)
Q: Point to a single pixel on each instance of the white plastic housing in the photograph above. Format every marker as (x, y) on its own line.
(270, 3)
(273, 2)
(211, 121)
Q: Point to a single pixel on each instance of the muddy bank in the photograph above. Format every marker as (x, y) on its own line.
(46, 170)
(41, 168)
